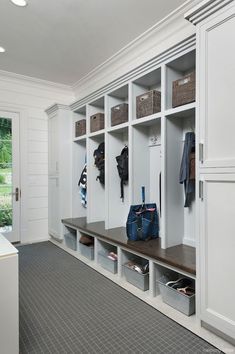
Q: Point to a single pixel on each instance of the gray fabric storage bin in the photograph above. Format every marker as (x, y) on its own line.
(107, 263)
(87, 251)
(172, 297)
(71, 241)
(139, 280)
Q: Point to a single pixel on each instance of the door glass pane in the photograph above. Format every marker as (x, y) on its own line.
(5, 175)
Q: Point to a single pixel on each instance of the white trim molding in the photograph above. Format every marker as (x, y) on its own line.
(185, 45)
(55, 107)
(204, 9)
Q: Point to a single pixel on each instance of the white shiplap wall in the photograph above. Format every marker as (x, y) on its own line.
(30, 98)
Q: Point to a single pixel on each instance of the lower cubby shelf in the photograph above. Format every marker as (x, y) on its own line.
(133, 269)
(70, 238)
(107, 256)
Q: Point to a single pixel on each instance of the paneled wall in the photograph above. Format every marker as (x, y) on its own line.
(30, 98)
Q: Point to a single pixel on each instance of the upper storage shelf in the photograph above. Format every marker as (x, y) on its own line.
(143, 101)
(79, 124)
(118, 106)
(96, 116)
(179, 69)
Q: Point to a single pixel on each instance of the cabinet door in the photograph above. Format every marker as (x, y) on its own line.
(217, 251)
(53, 145)
(54, 219)
(216, 74)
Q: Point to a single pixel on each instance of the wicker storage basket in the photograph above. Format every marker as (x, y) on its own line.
(148, 103)
(96, 122)
(183, 90)
(80, 127)
(119, 114)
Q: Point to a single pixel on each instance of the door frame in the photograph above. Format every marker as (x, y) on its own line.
(16, 181)
(23, 132)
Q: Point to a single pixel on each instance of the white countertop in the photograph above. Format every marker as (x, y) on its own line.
(6, 248)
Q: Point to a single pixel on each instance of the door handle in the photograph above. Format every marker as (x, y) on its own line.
(16, 194)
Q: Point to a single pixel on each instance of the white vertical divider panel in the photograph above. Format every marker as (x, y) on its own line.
(79, 157)
(119, 265)
(107, 181)
(118, 209)
(78, 162)
(123, 257)
(163, 159)
(106, 198)
(152, 279)
(65, 163)
(96, 191)
(87, 119)
(141, 163)
(89, 178)
(131, 109)
(197, 199)
(174, 221)
(96, 249)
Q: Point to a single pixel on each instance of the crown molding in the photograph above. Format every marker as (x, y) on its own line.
(205, 9)
(184, 46)
(55, 107)
(34, 82)
(164, 34)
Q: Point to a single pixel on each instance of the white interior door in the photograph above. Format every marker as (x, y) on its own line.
(9, 176)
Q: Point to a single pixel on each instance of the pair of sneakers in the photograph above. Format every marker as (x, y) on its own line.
(179, 283)
(183, 285)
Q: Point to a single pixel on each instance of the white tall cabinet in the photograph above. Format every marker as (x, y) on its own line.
(216, 172)
(60, 168)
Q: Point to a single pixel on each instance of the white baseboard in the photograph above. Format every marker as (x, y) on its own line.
(34, 241)
(189, 242)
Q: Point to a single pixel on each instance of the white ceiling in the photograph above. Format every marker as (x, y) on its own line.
(63, 40)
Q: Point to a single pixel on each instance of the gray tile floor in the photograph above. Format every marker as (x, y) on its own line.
(66, 307)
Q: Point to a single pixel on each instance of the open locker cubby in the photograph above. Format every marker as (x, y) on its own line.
(79, 159)
(95, 107)
(177, 69)
(146, 161)
(95, 190)
(104, 258)
(118, 96)
(85, 250)
(179, 300)
(70, 238)
(148, 82)
(179, 220)
(80, 114)
(116, 208)
(131, 269)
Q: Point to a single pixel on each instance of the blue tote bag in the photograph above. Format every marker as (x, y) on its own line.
(142, 222)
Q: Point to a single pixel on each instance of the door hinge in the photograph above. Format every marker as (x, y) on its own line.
(201, 152)
(201, 190)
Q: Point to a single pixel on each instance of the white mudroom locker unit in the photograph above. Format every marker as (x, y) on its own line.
(196, 241)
